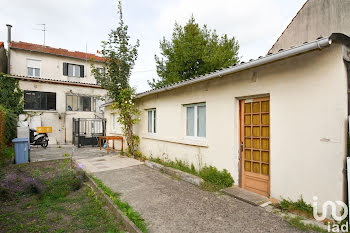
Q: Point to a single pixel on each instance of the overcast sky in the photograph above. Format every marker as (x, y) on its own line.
(73, 24)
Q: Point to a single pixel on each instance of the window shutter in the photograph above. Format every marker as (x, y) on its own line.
(65, 69)
(81, 71)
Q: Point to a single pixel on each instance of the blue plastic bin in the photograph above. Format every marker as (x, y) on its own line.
(21, 150)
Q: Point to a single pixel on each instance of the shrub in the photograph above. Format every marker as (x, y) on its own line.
(214, 179)
(213, 175)
(7, 154)
(296, 206)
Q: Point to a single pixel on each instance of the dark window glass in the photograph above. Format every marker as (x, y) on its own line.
(86, 103)
(35, 100)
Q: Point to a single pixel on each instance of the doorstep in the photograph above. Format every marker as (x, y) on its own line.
(246, 196)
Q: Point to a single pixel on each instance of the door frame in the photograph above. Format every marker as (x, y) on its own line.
(241, 138)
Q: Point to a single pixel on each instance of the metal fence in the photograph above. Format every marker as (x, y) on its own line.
(86, 131)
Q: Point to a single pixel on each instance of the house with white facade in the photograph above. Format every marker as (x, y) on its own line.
(58, 87)
(277, 123)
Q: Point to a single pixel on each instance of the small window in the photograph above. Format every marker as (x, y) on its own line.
(36, 100)
(152, 116)
(33, 67)
(196, 120)
(100, 70)
(81, 103)
(73, 70)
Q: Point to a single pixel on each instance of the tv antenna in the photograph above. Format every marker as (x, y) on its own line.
(43, 29)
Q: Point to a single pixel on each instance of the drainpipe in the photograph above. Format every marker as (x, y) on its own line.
(9, 26)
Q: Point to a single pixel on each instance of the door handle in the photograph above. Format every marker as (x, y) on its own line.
(242, 145)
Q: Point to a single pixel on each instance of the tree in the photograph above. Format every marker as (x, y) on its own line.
(120, 56)
(11, 105)
(193, 51)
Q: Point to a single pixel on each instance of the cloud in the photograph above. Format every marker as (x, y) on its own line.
(73, 24)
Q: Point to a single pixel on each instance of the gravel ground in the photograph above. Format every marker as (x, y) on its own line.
(171, 205)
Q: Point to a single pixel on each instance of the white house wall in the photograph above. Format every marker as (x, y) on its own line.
(308, 114)
(110, 130)
(51, 66)
(60, 119)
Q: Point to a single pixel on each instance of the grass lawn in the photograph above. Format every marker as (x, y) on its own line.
(50, 197)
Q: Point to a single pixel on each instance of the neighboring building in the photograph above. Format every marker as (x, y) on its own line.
(3, 58)
(316, 18)
(278, 124)
(58, 86)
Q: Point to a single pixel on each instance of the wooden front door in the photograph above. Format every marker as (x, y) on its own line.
(255, 145)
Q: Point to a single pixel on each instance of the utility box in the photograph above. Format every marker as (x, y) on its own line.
(21, 150)
(22, 132)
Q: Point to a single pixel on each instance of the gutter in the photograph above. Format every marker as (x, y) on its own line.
(54, 54)
(33, 79)
(318, 44)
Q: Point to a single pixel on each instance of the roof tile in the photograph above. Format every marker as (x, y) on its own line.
(55, 51)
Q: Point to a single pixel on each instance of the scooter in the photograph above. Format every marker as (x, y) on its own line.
(38, 138)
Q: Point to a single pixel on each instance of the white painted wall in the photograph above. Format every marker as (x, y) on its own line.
(61, 120)
(308, 123)
(51, 66)
(110, 130)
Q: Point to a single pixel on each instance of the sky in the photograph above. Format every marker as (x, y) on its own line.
(81, 25)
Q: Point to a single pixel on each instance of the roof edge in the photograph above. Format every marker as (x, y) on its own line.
(283, 54)
(318, 44)
(56, 54)
(33, 79)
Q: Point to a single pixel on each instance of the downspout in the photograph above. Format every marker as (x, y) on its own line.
(8, 48)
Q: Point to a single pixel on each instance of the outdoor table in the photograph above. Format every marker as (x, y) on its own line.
(108, 138)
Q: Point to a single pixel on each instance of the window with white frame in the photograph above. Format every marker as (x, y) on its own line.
(152, 119)
(196, 120)
(33, 67)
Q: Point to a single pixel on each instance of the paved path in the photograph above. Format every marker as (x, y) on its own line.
(170, 205)
(52, 152)
(106, 163)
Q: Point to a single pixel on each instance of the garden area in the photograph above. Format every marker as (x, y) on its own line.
(51, 197)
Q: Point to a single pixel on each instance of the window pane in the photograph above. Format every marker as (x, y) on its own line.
(150, 121)
(69, 103)
(43, 100)
(154, 121)
(37, 72)
(190, 121)
(51, 101)
(85, 103)
(201, 129)
(28, 103)
(70, 70)
(77, 71)
(93, 104)
(36, 100)
(75, 103)
(30, 71)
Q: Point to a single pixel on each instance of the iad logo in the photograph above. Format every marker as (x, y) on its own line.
(333, 207)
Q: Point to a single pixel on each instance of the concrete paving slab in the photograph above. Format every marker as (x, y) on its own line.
(171, 205)
(92, 165)
(245, 195)
(52, 152)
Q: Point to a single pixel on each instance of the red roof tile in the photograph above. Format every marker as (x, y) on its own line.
(1, 44)
(55, 51)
